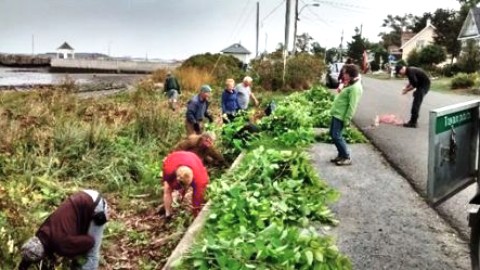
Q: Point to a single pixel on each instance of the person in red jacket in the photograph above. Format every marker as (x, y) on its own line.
(181, 170)
(74, 230)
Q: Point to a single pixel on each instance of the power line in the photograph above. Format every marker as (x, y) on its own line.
(240, 30)
(242, 14)
(340, 4)
(271, 12)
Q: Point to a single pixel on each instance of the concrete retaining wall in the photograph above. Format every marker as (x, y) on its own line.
(108, 65)
(21, 60)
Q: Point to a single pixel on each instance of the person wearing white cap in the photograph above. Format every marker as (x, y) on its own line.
(244, 93)
(197, 110)
(74, 230)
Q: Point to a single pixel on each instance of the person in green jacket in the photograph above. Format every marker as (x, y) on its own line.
(342, 112)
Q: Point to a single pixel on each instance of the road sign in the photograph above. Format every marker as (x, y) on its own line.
(452, 149)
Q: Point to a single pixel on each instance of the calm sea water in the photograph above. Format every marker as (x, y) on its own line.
(26, 76)
(38, 76)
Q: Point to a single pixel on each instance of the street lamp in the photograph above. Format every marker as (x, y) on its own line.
(297, 14)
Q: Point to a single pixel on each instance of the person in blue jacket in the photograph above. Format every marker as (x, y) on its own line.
(197, 110)
(229, 102)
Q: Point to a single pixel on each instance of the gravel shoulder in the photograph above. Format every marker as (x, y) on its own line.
(384, 223)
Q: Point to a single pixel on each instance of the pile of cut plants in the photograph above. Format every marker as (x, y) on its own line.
(267, 211)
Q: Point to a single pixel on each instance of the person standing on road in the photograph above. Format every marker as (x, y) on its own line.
(244, 93)
(342, 111)
(229, 102)
(197, 109)
(74, 231)
(172, 90)
(417, 79)
(182, 170)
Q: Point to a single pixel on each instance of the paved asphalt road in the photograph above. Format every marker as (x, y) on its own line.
(407, 148)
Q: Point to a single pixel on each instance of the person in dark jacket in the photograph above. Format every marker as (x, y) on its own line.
(229, 102)
(172, 90)
(197, 110)
(74, 230)
(417, 79)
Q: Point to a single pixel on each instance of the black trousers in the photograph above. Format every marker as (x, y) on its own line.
(418, 96)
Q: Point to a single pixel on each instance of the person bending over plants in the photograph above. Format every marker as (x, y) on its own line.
(182, 170)
(197, 110)
(342, 111)
(203, 146)
(74, 231)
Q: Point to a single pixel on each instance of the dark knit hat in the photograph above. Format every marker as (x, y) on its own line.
(397, 69)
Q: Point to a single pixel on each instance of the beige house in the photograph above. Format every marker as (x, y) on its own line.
(417, 42)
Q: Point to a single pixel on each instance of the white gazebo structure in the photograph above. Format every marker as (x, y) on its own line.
(64, 51)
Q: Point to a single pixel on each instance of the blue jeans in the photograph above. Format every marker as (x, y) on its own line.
(93, 255)
(336, 129)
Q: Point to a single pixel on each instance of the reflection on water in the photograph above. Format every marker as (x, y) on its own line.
(38, 76)
(23, 76)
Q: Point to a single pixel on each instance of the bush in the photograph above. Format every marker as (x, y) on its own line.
(469, 60)
(220, 66)
(302, 71)
(413, 58)
(449, 70)
(462, 80)
(431, 55)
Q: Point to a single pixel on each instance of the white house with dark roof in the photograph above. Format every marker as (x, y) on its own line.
(64, 51)
(471, 26)
(417, 41)
(238, 51)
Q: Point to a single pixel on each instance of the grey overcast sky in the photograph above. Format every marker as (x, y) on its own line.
(177, 29)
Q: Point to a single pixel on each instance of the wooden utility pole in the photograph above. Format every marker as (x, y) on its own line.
(33, 44)
(294, 50)
(285, 45)
(258, 26)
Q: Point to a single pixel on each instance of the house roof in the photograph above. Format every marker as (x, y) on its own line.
(236, 48)
(473, 14)
(65, 46)
(419, 34)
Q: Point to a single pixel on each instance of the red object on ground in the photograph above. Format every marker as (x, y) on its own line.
(390, 119)
(200, 175)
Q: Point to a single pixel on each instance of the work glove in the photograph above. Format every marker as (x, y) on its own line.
(196, 127)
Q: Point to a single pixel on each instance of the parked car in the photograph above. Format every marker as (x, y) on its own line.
(331, 80)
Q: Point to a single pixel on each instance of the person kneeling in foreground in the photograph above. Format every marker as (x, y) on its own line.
(182, 170)
(74, 231)
(342, 112)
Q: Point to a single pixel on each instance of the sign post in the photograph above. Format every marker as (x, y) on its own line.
(452, 150)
